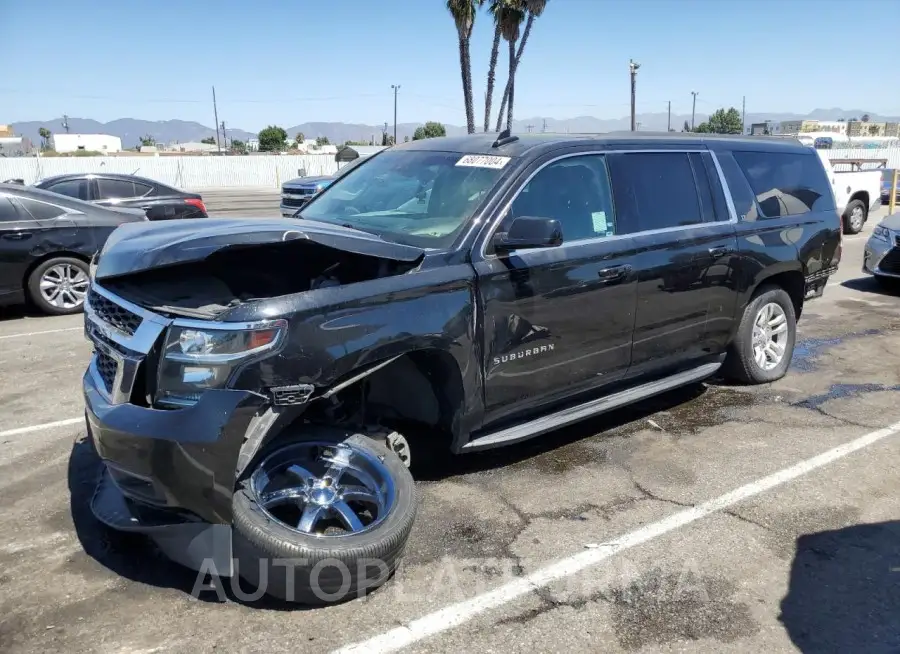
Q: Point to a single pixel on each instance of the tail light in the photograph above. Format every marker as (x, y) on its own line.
(196, 202)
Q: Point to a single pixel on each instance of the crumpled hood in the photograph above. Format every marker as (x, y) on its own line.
(133, 247)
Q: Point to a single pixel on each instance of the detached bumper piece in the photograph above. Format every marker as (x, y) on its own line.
(189, 542)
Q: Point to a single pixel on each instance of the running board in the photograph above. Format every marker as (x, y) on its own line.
(594, 407)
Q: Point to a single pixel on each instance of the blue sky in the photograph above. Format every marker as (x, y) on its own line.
(289, 62)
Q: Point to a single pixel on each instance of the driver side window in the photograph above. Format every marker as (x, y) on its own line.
(576, 192)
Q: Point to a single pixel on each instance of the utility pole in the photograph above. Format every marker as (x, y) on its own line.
(693, 109)
(529, 128)
(65, 123)
(216, 115)
(224, 138)
(669, 127)
(396, 88)
(632, 69)
(743, 113)
(544, 126)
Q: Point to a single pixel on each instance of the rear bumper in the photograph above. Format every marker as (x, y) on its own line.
(182, 461)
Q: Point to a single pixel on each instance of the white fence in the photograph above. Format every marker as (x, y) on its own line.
(183, 172)
(242, 172)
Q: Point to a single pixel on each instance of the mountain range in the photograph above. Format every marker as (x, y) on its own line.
(130, 130)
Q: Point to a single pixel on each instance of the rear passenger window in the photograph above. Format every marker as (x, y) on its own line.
(41, 210)
(141, 189)
(74, 188)
(741, 194)
(655, 190)
(786, 183)
(115, 188)
(7, 211)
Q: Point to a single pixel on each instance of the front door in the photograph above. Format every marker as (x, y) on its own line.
(685, 289)
(559, 320)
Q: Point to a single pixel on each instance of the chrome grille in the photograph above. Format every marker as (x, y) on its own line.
(891, 262)
(897, 240)
(106, 368)
(113, 314)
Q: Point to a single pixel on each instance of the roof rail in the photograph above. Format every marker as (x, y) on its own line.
(503, 138)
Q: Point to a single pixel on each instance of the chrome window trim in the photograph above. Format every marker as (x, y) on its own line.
(491, 227)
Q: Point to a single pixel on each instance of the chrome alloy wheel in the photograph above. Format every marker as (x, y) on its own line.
(64, 286)
(856, 218)
(323, 489)
(770, 334)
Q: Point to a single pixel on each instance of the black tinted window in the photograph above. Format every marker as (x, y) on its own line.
(7, 211)
(41, 210)
(575, 191)
(741, 194)
(115, 188)
(141, 189)
(74, 188)
(655, 190)
(786, 183)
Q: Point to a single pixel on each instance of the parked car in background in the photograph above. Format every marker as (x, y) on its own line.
(297, 192)
(856, 192)
(450, 295)
(158, 201)
(46, 244)
(887, 180)
(882, 254)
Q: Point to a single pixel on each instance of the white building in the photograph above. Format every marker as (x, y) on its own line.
(192, 146)
(89, 142)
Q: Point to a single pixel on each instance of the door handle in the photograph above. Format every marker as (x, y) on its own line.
(16, 236)
(614, 273)
(720, 250)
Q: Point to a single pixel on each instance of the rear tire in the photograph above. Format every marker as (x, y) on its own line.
(855, 216)
(743, 362)
(318, 568)
(59, 286)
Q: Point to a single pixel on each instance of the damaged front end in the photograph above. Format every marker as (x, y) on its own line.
(178, 385)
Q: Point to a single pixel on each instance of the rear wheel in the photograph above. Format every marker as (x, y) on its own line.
(764, 343)
(855, 217)
(324, 518)
(58, 286)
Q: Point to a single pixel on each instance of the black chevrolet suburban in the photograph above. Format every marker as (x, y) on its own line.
(259, 388)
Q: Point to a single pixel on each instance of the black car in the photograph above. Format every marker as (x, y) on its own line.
(260, 387)
(158, 201)
(46, 244)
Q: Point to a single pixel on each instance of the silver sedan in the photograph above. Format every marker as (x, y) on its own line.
(882, 257)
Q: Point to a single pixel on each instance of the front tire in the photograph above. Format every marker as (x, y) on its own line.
(324, 518)
(58, 286)
(855, 216)
(764, 344)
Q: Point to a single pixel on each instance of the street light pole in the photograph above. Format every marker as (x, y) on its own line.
(632, 69)
(693, 109)
(396, 88)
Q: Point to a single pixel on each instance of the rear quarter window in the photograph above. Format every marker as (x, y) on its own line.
(786, 183)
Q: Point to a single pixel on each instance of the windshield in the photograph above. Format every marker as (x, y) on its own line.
(411, 197)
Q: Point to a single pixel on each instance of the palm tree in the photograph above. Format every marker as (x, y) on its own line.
(511, 18)
(533, 8)
(463, 12)
(45, 137)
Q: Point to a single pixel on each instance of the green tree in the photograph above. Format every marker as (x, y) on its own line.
(147, 141)
(406, 139)
(272, 139)
(723, 121)
(300, 138)
(429, 130)
(209, 140)
(238, 146)
(322, 140)
(512, 17)
(463, 12)
(687, 127)
(45, 135)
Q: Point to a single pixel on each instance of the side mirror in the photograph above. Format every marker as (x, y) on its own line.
(527, 232)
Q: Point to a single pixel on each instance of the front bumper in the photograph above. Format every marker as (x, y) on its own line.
(882, 257)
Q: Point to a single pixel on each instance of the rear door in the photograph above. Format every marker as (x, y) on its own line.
(558, 321)
(687, 248)
(18, 231)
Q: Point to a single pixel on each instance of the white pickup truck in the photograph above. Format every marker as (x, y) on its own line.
(856, 192)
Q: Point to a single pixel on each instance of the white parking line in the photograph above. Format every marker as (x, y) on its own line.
(48, 331)
(47, 425)
(456, 614)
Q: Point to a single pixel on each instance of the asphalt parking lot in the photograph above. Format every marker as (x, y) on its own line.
(711, 519)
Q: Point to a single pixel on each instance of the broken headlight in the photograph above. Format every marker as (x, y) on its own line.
(197, 357)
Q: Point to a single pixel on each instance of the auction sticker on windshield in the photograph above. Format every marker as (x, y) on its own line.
(483, 161)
